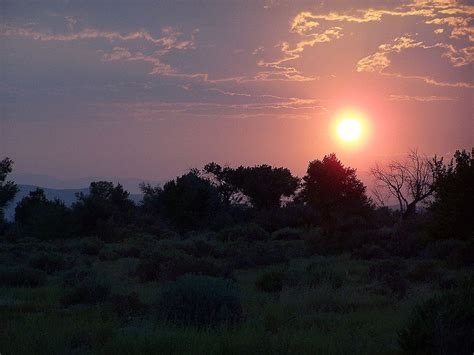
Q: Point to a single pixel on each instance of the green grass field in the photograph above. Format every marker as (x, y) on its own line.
(314, 305)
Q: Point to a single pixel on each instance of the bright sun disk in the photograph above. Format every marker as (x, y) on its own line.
(349, 129)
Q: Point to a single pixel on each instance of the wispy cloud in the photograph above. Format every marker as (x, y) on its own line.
(379, 61)
(420, 98)
(170, 38)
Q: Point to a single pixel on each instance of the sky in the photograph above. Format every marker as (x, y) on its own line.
(150, 89)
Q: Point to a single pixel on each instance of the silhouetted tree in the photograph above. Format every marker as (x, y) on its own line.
(8, 189)
(105, 204)
(264, 185)
(38, 217)
(219, 177)
(188, 202)
(410, 181)
(334, 190)
(453, 205)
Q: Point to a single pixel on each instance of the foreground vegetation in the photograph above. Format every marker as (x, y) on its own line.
(215, 264)
(131, 297)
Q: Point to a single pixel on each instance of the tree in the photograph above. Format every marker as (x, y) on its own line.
(38, 217)
(452, 207)
(264, 185)
(188, 202)
(8, 189)
(105, 204)
(334, 190)
(409, 181)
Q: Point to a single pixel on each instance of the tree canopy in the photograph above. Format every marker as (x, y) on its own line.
(453, 205)
(333, 189)
(8, 189)
(264, 185)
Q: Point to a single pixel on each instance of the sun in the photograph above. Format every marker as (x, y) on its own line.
(349, 129)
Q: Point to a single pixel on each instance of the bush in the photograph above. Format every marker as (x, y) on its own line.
(88, 291)
(319, 272)
(287, 234)
(127, 305)
(173, 264)
(270, 281)
(423, 271)
(441, 325)
(249, 231)
(200, 248)
(129, 252)
(442, 249)
(370, 252)
(200, 300)
(108, 255)
(390, 275)
(244, 254)
(21, 277)
(77, 276)
(148, 269)
(174, 268)
(49, 262)
(91, 246)
(464, 256)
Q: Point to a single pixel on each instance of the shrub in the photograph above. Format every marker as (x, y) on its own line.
(174, 268)
(173, 264)
(76, 276)
(88, 291)
(370, 252)
(148, 269)
(127, 305)
(287, 234)
(443, 249)
(21, 277)
(200, 300)
(108, 255)
(423, 271)
(319, 272)
(129, 252)
(390, 275)
(270, 281)
(91, 246)
(244, 254)
(48, 262)
(250, 231)
(464, 256)
(442, 325)
(200, 248)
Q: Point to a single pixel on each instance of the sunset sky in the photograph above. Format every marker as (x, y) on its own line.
(150, 89)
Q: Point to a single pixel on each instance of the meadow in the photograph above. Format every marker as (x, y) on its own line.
(151, 294)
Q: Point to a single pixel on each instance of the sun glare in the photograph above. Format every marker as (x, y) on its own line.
(349, 129)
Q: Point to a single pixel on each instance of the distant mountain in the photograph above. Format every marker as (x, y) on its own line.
(68, 196)
(50, 182)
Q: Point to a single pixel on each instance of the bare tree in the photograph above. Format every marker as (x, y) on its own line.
(409, 181)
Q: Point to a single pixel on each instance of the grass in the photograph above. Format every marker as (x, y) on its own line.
(326, 305)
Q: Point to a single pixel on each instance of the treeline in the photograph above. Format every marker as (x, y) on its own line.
(330, 197)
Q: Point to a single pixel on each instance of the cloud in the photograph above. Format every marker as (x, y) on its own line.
(359, 16)
(461, 23)
(158, 67)
(254, 106)
(170, 40)
(459, 57)
(420, 98)
(378, 61)
(431, 81)
(373, 63)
